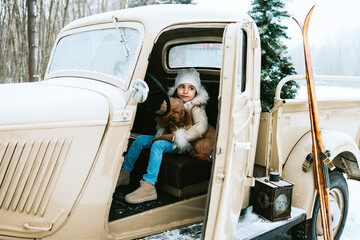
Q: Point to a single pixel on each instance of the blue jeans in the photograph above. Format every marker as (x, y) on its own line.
(156, 153)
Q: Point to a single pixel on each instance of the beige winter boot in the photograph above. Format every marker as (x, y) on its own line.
(124, 178)
(146, 192)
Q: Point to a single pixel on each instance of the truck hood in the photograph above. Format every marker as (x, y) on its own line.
(42, 105)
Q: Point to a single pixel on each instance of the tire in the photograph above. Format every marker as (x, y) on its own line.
(339, 205)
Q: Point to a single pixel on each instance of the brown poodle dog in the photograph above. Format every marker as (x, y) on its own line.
(202, 146)
(178, 118)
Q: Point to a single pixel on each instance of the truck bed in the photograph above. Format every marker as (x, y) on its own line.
(288, 122)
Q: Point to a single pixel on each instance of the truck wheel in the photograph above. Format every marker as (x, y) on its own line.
(339, 205)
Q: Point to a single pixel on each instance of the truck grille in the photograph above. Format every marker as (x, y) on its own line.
(28, 173)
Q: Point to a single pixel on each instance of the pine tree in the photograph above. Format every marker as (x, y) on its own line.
(275, 63)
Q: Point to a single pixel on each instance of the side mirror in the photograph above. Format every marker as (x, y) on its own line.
(139, 90)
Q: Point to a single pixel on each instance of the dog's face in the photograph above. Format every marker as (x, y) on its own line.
(178, 115)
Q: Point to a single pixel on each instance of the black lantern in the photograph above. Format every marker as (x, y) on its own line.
(272, 197)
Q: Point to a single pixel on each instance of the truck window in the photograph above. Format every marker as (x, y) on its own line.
(241, 68)
(196, 55)
(100, 51)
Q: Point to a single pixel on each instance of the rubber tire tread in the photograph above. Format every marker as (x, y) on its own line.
(337, 180)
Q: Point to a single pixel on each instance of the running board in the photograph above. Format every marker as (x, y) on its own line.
(250, 226)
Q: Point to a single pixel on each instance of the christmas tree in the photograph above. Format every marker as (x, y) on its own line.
(275, 63)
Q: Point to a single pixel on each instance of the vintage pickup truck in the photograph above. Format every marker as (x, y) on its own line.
(63, 139)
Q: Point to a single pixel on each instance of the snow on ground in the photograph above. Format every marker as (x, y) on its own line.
(337, 91)
(352, 227)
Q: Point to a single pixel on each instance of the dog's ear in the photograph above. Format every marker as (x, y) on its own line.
(187, 119)
(160, 121)
(163, 107)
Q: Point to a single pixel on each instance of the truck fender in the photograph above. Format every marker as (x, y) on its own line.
(304, 190)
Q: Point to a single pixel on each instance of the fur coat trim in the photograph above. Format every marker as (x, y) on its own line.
(180, 141)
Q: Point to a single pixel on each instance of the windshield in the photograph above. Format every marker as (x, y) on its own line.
(100, 51)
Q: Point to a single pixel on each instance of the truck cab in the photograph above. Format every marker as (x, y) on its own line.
(63, 140)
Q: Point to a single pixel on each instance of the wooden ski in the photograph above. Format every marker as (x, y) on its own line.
(320, 155)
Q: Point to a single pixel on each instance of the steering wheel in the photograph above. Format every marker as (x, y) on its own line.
(159, 91)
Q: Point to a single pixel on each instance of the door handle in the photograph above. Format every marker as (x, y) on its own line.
(243, 145)
(38, 226)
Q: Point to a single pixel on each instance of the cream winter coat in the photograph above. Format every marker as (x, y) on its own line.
(196, 107)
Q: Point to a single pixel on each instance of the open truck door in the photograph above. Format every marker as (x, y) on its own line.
(235, 144)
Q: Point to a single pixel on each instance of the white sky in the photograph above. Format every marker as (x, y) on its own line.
(334, 27)
(329, 17)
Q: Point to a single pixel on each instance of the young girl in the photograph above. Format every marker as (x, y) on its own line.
(188, 88)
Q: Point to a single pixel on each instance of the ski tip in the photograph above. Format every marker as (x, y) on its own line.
(299, 24)
(307, 19)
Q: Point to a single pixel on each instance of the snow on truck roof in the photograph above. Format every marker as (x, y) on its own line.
(161, 16)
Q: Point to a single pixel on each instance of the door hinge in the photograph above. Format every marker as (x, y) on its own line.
(255, 43)
(122, 116)
(250, 181)
(220, 174)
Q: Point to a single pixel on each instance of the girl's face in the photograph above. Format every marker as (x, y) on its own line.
(186, 92)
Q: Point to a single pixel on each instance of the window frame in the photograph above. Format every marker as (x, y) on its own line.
(184, 41)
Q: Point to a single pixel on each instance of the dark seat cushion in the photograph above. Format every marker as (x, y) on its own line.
(177, 170)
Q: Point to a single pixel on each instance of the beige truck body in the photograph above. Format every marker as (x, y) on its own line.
(284, 138)
(62, 140)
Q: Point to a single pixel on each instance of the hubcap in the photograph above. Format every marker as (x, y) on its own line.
(337, 205)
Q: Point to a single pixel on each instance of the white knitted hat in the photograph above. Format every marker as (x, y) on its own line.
(190, 76)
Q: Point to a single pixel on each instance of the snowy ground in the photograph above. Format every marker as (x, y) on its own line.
(352, 227)
(332, 89)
